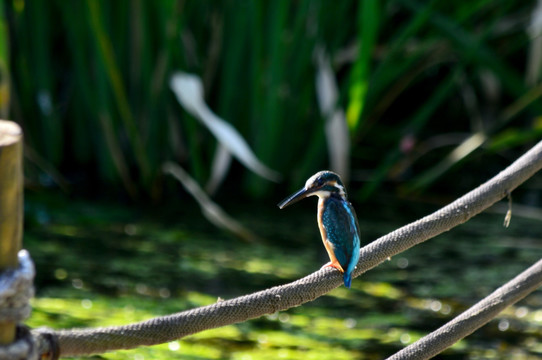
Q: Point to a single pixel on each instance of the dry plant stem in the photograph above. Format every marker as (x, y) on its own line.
(167, 328)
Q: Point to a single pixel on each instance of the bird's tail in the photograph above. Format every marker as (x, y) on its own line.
(347, 279)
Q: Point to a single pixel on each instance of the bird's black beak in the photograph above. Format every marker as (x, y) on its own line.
(299, 195)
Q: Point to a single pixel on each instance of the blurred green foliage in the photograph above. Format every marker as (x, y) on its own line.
(90, 85)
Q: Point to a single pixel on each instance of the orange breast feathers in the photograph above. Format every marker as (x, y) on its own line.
(327, 244)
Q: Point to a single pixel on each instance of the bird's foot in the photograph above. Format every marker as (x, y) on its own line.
(334, 265)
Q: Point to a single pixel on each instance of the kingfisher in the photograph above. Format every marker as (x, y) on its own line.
(336, 218)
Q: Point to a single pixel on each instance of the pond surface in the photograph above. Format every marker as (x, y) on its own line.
(100, 263)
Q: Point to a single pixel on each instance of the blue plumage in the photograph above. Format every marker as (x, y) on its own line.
(342, 231)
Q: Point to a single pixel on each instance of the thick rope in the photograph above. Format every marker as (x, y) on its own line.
(475, 317)
(16, 290)
(167, 328)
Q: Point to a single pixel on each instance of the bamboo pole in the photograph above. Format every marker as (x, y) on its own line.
(11, 206)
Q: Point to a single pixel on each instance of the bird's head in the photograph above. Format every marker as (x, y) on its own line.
(322, 184)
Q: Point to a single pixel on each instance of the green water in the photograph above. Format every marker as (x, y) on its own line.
(100, 263)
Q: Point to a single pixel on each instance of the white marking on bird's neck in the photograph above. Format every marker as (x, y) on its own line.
(322, 194)
(342, 192)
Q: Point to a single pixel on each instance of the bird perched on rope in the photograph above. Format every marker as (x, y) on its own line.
(337, 220)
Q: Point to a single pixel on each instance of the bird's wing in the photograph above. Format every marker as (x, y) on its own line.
(341, 223)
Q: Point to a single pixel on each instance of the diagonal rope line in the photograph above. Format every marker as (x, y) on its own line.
(167, 328)
(475, 317)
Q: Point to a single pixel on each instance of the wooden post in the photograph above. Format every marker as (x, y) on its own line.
(11, 206)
